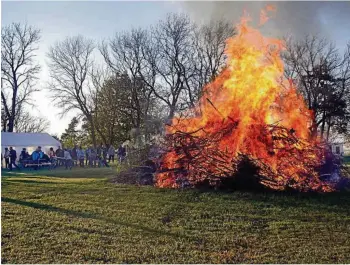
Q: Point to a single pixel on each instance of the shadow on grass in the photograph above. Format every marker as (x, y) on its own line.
(34, 182)
(51, 208)
(335, 202)
(340, 199)
(62, 173)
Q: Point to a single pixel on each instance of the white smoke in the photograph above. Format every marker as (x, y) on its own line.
(327, 19)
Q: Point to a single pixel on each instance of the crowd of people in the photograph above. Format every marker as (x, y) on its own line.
(91, 156)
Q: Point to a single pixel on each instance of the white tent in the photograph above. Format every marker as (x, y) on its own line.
(31, 141)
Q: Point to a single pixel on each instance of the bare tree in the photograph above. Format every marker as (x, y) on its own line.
(18, 68)
(323, 77)
(156, 57)
(174, 60)
(185, 58)
(70, 65)
(25, 122)
(173, 45)
(124, 54)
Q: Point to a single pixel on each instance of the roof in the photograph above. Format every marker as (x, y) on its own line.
(28, 139)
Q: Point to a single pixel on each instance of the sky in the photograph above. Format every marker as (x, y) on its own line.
(101, 20)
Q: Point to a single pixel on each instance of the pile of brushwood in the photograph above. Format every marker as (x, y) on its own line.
(138, 175)
(138, 169)
(200, 164)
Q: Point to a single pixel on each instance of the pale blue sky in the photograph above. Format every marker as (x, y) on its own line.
(99, 20)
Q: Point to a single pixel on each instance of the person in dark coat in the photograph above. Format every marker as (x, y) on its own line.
(102, 156)
(13, 157)
(99, 151)
(59, 155)
(24, 154)
(121, 153)
(111, 153)
(59, 152)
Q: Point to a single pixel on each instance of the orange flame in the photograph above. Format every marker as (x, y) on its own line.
(253, 91)
(263, 14)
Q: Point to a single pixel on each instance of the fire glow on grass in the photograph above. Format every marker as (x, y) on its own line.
(249, 110)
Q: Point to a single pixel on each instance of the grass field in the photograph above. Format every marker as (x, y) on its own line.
(79, 217)
(347, 159)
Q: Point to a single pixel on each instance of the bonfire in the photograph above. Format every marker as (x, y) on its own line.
(250, 112)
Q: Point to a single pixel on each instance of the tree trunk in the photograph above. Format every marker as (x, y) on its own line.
(171, 113)
(323, 124)
(329, 129)
(11, 124)
(93, 137)
(13, 107)
(93, 134)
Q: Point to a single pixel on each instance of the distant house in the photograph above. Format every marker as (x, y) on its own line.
(30, 141)
(337, 148)
(340, 145)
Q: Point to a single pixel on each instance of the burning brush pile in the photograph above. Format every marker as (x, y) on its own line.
(250, 114)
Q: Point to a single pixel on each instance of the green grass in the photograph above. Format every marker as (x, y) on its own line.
(79, 217)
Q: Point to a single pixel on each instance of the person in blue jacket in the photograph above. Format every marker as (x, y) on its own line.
(36, 155)
(41, 153)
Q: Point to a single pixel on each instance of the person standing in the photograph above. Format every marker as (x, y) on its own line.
(7, 158)
(111, 153)
(92, 157)
(103, 159)
(67, 159)
(81, 156)
(13, 157)
(59, 155)
(121, 153)
(75, 155)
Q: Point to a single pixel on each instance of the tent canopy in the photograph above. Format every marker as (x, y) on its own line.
(28, 140)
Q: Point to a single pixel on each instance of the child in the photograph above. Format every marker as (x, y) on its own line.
(52, 153)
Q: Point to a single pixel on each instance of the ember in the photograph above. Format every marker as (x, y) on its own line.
(249, 111)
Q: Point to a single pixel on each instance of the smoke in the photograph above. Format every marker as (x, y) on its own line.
(326, 19)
